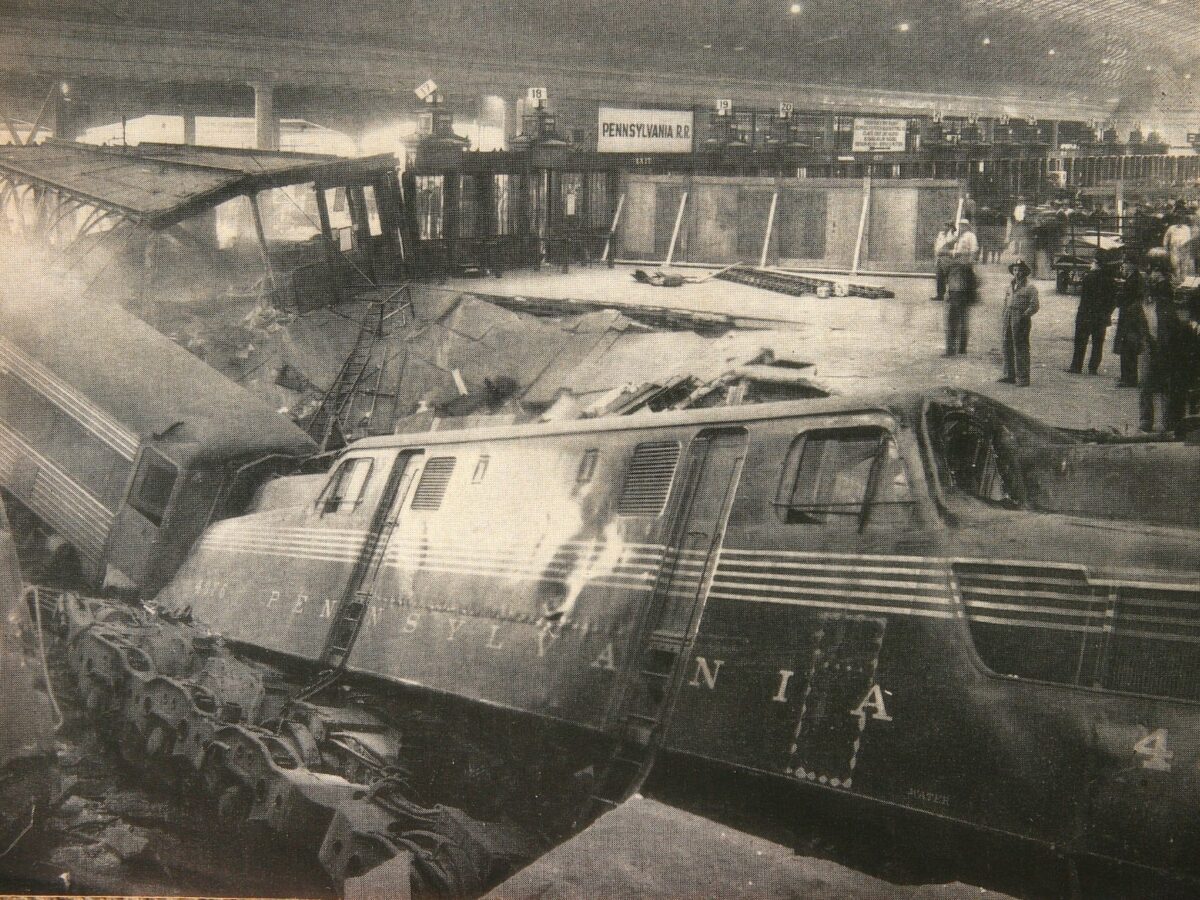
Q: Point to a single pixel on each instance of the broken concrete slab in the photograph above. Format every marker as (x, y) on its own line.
(126, 841)
(390, 880)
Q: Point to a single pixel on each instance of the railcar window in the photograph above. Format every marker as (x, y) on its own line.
(346, 489)
(434, 480)
(844, 478)
(648, 479)
(152, 486)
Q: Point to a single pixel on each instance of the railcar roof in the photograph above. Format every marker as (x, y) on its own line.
(905, 406)
(159, 185)
(143, 379)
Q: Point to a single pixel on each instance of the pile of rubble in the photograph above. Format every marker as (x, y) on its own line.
(420, 354)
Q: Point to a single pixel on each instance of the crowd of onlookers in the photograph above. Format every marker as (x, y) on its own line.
(1147, 278)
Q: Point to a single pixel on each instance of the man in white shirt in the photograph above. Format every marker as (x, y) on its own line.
(966, 247)
(943, 248)
(1178, 241)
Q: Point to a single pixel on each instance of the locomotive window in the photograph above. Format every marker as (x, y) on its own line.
(1150, 647)
(1034, 622)
(972, 463)
(481, 468)
(152, 486)
(587, 466)
(648, 480)
(844, 477)
(434, 481)
(345, 490)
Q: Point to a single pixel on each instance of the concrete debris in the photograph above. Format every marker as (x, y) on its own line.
(392, 880)
(127, 842)
(425, 355)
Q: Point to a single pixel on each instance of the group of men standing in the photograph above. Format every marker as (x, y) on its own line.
(1157, 335)
(956, 251)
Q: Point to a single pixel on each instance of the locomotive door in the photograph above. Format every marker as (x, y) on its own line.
(361, 585)
(711, 473)
(710, 477)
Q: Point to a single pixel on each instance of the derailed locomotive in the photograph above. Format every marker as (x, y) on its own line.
(928, 605)
(120, 445)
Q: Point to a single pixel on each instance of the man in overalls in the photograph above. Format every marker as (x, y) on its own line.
(1020, 305)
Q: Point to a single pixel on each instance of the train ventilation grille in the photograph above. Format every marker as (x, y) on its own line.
(648, 481)
(434, 480)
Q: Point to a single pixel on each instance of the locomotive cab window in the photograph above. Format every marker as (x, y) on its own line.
(845, 478)
(347, 486)
(152, 486)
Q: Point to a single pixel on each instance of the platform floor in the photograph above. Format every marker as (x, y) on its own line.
(646, 850)
(875, 345)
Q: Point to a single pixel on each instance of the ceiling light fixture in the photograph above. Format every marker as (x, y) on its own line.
(987, 42)
(795, 9)
(1051, 52)
(903, 26)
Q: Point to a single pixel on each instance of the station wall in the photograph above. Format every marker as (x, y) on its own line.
(815, 225)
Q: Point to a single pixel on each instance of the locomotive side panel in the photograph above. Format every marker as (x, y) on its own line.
(275, 578)
(522, 582)
(834, 650)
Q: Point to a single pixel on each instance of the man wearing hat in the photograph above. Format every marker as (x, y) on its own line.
(1097, 298)
(1020, 305)
(1127, 342)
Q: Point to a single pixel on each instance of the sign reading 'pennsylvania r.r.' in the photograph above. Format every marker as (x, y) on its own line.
(879, 135)
(644, 131)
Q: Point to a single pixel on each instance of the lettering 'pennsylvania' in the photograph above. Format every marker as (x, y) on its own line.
(646, 130)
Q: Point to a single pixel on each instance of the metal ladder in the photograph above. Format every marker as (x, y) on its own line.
(641, 732)
(330, 421)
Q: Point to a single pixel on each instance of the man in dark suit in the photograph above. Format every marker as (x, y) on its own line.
(1128, 340)
(1097, 298)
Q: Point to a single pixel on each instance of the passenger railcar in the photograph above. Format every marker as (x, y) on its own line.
(119, 442)
(924, 603)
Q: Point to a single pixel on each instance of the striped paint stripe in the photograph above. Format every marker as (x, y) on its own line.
(64, 503)
(1014, 593)
(69, 400)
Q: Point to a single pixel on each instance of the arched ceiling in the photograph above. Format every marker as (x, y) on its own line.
(1091, 50)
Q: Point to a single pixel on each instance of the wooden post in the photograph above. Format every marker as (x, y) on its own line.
(762, 260)
(612, 231)
(261, 234)
(675, 231)
(332, 252)
(862, 224)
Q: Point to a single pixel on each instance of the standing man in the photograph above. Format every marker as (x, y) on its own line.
(1127, 342)
(943, 248)
(1158, 325)
(961, 288)
(1020, 306)
(1177, 240)
(1020, 237)
(1097, 297)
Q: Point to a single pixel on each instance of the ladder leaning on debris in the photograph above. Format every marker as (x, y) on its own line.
(331, 422)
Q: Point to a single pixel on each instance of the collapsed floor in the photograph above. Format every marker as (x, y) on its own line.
(398, 359)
